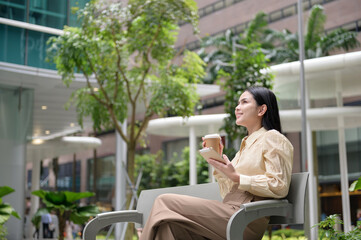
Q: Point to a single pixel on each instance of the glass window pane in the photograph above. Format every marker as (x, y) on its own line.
(48, 13)
(13, 9)
(289, 11)
(274, 16)
(105, 178)
(37, 50)
(12, 44)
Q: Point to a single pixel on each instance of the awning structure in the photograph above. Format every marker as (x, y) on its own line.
(60, 146)
(320, 119)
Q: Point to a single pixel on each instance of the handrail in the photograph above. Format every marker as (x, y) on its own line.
(29, 26)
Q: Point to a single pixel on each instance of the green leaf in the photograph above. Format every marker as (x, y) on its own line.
(356, 185)
(56, 198)
(39, 193)
(83, 214)
(36, 219)
(5, 190)
(75, 196)
(88, 211)
(6, 210)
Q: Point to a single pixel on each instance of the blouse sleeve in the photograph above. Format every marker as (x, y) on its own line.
(277, 153)
(223, 181)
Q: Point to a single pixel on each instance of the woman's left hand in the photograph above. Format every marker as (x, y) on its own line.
(226, 168)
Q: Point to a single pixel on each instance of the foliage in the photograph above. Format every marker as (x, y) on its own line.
(288, 233)
(238, 60)
(249, 63)
(126, 51)
(318, 43)
(219, 58)
(66, 207)
(6, 210)
(327, 230)
(3, 232)
(356, 185)
(157, 173)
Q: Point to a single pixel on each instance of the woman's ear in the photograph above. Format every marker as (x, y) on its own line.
(262, 110)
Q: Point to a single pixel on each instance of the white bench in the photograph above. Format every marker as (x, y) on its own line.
(290, 210)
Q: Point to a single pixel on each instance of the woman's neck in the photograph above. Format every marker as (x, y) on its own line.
(253, 129)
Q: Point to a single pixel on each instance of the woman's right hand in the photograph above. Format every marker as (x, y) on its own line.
(221, 147)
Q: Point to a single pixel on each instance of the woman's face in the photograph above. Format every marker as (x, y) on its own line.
(247, 111)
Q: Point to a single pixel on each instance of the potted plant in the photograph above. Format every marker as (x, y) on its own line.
(66, 207)
(6, 211)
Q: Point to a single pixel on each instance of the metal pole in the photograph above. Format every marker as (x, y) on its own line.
(302, 86)
(306, 157)
(120, 179)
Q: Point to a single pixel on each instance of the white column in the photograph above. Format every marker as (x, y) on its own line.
(120, 178)
(211, 129)
(346, 217)
(192, 156)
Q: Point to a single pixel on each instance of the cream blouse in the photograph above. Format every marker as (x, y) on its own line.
(264, 163)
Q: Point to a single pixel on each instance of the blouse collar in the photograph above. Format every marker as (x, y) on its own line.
(249, 140)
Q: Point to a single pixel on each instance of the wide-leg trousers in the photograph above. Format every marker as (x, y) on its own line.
(181, 217)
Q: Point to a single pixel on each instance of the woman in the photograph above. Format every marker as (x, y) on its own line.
(260, 170)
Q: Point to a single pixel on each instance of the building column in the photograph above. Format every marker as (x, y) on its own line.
(346, 216)
(16, 106)
(192, 156)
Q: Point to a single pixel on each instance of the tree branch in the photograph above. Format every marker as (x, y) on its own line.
(92, 93)
(117, 126)
(143, 126)
(98, 81)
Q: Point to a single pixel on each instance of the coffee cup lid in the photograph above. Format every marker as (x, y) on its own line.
(215, 135)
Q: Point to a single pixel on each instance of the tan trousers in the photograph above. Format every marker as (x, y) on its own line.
(183, 217)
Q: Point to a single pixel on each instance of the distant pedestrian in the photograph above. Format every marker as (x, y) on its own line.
(46, 220)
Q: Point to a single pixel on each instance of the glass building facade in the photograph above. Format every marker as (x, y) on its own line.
(26, 47)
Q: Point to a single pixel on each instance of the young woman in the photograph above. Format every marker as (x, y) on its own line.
(260, 170)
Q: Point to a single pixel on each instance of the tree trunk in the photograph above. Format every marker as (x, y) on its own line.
(56, 171)
(130, 170)
(62, 224)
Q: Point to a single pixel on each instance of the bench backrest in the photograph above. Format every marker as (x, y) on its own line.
(296, 196)
(147, 197)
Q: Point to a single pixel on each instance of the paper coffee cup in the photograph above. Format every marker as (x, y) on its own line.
(213, 140)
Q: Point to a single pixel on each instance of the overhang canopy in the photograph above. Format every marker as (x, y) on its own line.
(60, 146)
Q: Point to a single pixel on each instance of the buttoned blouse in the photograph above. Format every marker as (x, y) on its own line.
(264, 163)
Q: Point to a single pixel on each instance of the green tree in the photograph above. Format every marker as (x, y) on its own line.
(127, 52)
(318, 43)
(240, 60)
(6, 210)
(158, 173)
(249, 64)
(218, 52)
(66, 207)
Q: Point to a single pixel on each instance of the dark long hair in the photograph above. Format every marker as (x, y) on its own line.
(262, 95)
